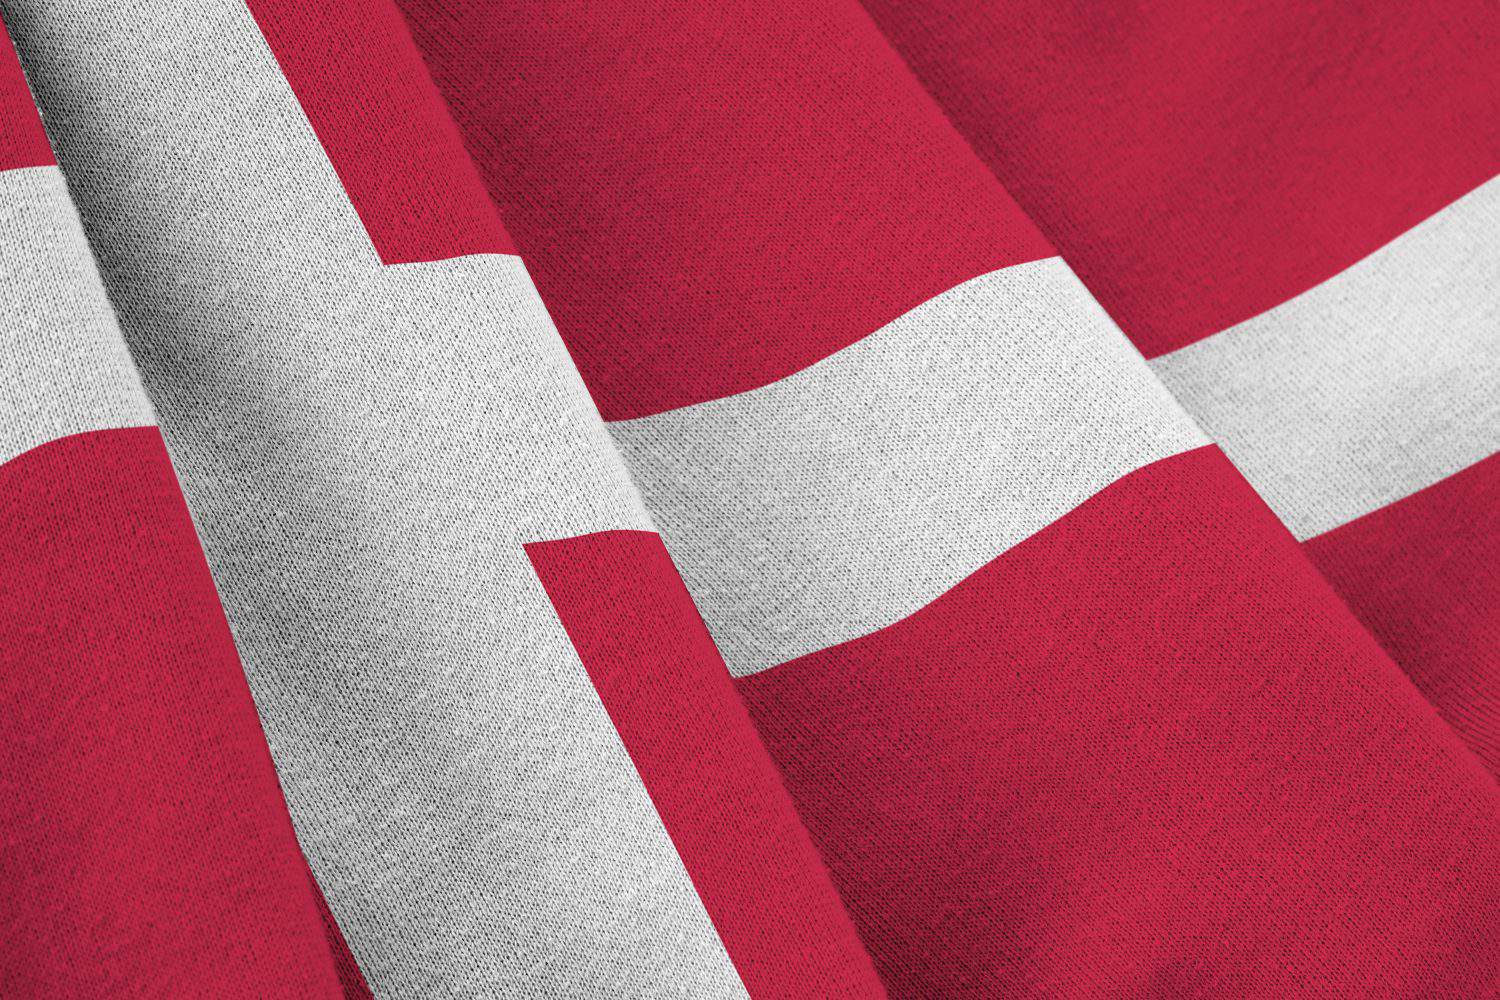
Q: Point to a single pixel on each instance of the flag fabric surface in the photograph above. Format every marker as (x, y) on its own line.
(835, 500)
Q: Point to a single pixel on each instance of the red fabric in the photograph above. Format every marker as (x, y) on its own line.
(369, 99)
(1146, 752)
(1198, 163)
(720, 797)
(1421, 575)
(716, 209)
(23, 143)
(146, 849)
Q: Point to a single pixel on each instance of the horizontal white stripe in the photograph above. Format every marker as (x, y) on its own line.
(366, 449)
(850, 494)
(1375, 384)
(63, 365)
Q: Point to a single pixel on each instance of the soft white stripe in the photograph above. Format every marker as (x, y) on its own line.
(366, 449)
(1375, 384)
(63, 365)
(850, 494)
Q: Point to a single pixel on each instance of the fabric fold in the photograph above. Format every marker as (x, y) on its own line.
(146, 844)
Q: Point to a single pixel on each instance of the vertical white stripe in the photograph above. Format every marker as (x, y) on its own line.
(366, 449)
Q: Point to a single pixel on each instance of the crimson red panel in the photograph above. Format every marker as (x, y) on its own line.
(146, 847)
(23, 143)
(387, 133)
(1423, 574)
(1147, 752)
(1200, 162)
(714, 197)
(671, 699)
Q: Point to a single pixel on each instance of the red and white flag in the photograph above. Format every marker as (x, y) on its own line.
(771, 500)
